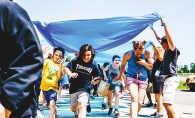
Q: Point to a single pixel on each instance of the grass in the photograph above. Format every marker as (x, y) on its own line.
(184, 74)
(181, 86)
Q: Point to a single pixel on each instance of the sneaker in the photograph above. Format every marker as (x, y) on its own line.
(121, 96)
(149, 104)
(93, 97)
(104, 105)
(44, 108)
(116, 112)
(153, 114)
(75, 116)
(155, 106)
(88, 108)
(156, 115)
(110, 111)
(39, 114)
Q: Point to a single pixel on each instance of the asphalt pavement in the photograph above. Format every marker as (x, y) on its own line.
(184, 107)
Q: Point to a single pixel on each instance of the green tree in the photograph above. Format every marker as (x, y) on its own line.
(192, 67)
(185, 69)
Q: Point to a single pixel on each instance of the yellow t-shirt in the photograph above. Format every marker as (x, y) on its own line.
(50, 76)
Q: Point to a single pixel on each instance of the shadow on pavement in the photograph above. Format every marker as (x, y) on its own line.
(186, 91)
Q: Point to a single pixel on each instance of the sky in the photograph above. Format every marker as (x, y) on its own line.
(179, 16)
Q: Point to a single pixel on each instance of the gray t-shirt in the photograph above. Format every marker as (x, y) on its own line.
(112, 74)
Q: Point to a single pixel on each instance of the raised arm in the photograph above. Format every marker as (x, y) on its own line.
(157, 35)
(168, 36)
(158, 52)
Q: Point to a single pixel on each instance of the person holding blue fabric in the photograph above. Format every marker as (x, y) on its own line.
(169, 70)
(139, 60)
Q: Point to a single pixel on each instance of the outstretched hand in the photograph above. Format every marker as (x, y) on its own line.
(151, 43)
(162, 21)
(73, 75)
(151, 26)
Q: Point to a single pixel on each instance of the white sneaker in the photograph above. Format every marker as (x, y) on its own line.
(121, 96)
(39, 114)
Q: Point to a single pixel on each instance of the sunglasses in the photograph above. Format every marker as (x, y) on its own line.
(138, 54)
(116, 60)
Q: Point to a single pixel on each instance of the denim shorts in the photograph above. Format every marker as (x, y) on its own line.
(141, 84)
(49, 95)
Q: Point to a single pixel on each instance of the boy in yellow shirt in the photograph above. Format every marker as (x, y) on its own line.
(52, 72)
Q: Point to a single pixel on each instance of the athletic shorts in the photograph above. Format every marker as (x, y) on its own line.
(113, 86)
(158, 84)
(170, 86)
(141, 84)
(80, 96)
(49, 95)
(61, 82)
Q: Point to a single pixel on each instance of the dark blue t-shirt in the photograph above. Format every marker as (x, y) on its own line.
(85, 73)
(170, 62)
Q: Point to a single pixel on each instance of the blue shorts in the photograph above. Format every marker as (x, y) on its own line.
(49, 95)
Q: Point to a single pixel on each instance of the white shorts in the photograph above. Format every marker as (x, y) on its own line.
(170, 86)
(80, 96)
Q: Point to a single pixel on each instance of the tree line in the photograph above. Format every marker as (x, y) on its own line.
(185, 68)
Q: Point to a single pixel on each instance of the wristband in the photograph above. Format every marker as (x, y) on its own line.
(162, 24)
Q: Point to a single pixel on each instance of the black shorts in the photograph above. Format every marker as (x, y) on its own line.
(158, 84)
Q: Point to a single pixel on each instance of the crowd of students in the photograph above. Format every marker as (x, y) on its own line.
(24, 67)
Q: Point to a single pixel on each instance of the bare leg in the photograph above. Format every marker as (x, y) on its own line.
(169, 109)
(133, 90)
(141, 93)
(82, 110)
(59, 93)
(52, 107)
(149, 97)
(43, 100)
(110, 95)
(116, 95)
(159, 103)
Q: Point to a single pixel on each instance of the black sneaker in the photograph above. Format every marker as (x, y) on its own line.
(156, 115)
(153, 114)
(104, 105)
(149, 104)
(116, 112)
(155, 106)
(88, 108)
(75, 116)
(110, 111)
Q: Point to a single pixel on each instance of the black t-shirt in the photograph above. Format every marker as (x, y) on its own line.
(85, 73)
(170, 62)
(156, 66)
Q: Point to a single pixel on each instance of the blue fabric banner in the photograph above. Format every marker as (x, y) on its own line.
(102, 34)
